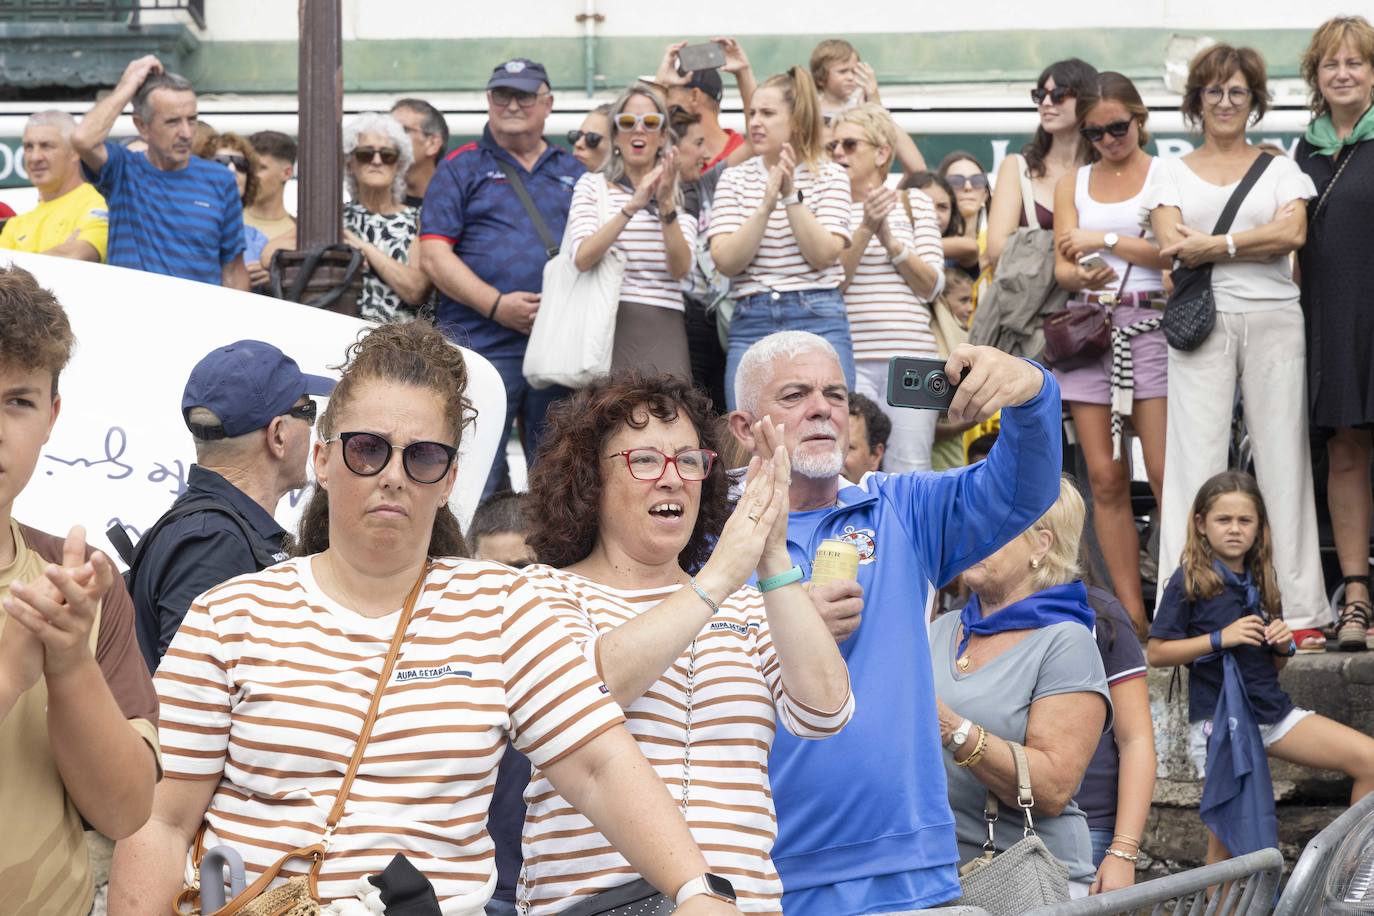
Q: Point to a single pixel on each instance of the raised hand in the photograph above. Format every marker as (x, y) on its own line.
(735, 59)
(994, 380)
(770, 446)
(667, 74)
(665, 189)
(787, 162)
(138, 71)
(868, 81)
(645, 192)
(60, 610)
(877, 207)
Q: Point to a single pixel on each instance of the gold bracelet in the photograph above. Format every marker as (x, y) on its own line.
(978, 749)
(1126, 837)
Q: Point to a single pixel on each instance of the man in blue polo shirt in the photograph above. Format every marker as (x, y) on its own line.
(170, 212)
(864, 824)
(483, 250)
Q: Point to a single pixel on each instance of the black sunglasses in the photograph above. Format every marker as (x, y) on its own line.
(959, 182)
(1057, 95)
(366, 454)
(363, 155)
(238, 162)
(593, 139)
(307, 412)
(1117, 129)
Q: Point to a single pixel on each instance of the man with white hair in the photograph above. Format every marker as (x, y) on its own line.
(864, 824)
(70, 220)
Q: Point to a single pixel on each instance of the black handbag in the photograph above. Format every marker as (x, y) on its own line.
(638, 898)
(326, 277)
(1191, 312)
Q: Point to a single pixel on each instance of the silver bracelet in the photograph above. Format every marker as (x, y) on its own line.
(901, 256)
(1123, 855)
(701, 593)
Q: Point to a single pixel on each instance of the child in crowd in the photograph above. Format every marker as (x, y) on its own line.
(1224, 597)
(845, 81)
(869, 429)
(497, 532)
(951, 312)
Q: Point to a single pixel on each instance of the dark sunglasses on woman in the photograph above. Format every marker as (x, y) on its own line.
(848, 144)
(960, 182)
(1057, 95)
(593, 139)
(366, 454)
(1117, 129)
(238, 162)
(363, 155)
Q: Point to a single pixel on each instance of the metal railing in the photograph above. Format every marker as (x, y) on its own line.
(128, 11)
(1309, 873)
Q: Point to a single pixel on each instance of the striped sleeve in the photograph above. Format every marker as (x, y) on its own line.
(925, 229)
(195, 693)
(832, 193)
(727, 208)
(556, 701)
(1130, 674)
(798, 718)
(584, 218)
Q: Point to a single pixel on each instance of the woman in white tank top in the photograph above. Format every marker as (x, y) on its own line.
(1102, 257)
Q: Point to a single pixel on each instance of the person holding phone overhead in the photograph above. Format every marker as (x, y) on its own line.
(1102, 258)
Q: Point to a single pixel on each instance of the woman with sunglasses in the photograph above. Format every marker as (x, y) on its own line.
(647, 226)
(1054, 151)
(588, 142)
(237, 155)
(778, 225)
(704, 666)
(1258, 341)
(1103, 260)
(969, 181)
(893, 268)
(267, 686)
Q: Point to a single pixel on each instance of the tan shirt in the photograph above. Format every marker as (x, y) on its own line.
(44, 867)
(270, 227)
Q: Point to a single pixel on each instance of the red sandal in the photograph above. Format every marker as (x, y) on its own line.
(1310, 640)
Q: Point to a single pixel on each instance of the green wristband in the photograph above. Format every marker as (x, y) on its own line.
(783, 578)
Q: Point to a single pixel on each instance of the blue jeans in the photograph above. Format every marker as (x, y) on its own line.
(527, 405)
(820, 311)
(1102, 838)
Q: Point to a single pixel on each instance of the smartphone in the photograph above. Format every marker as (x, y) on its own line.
(1093, 260)
(706, 56)
(914, 381)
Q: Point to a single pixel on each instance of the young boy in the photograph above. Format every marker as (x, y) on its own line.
(78, 715)
(845, 81)
(498, 531)
(869, 429)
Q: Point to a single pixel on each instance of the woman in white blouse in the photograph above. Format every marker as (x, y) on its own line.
(1258, 339)
(893, 269)
(778, 224)
(643, 221)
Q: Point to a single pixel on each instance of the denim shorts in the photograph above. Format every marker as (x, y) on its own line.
(820, 311)
(1199, 732)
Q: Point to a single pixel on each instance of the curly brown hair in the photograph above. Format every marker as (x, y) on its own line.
(245, 149)
(1217, 64)
(34, 330)
(410, 353)
(567, 478)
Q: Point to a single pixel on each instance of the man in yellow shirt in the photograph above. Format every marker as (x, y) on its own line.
(70, 220)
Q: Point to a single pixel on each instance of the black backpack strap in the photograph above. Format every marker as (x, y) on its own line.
(545, 236)
(1228, 213)
(261, 556)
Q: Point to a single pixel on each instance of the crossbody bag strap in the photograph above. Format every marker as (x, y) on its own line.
(1326, 192)
(1228, 213)
(1027, 191)
(541, 227)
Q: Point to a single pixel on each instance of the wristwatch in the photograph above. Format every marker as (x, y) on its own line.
(708, 884)
(667, 218)
(1109, 240)
(961, 734)
(794, 198)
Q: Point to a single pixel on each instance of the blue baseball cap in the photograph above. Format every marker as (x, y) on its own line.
(246, 384)
(520, 74)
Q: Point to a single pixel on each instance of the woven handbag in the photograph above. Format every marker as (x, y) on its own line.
(1020, 878)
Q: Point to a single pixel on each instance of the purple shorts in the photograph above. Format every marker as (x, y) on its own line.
(1092, 384)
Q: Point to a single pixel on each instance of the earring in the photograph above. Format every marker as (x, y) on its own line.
(1035, 564)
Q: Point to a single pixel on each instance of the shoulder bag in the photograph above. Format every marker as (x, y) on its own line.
(1191, 312)
(328, 277)
(298, 895)
(574, 329)
(1020, 878)
(1080, 333)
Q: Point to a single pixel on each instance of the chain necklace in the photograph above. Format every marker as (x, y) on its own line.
(687, 728)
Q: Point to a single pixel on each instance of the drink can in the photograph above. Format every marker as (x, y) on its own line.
(835, 560)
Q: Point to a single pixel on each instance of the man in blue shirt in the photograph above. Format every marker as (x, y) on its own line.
(170, 212)
(481, 248)
(864, 825)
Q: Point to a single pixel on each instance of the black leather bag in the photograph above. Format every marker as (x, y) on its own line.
(1191, 312)
(326, 277)
(638, 898)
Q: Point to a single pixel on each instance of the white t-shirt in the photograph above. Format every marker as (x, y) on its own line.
(1123, 218)
(646, 280)
(779, 265)
(886, 318)
(1239, 286)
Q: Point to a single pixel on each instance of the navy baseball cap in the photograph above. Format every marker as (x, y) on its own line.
(246, 384)
(708, 81)
(520, 74)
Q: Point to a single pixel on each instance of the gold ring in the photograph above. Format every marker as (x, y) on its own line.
(753, 518)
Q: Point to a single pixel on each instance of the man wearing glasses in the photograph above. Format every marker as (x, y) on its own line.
(249, 409)
(483, 248)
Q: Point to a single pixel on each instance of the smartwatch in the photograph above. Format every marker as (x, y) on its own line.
(1109, 240)
(961, 734)
(794, 198)
(708, 884)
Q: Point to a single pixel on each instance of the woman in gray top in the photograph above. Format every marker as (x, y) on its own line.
(1020, 664)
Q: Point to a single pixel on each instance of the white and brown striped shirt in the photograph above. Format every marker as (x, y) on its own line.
(737, 696)
(267, 683)
(646, 280)
(779, 265)
(886, 318)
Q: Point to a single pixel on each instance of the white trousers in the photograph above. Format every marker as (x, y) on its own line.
(913, 431)
(1265, 353)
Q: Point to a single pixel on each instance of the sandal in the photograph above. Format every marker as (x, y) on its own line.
(1310, 640)
(1352, 629)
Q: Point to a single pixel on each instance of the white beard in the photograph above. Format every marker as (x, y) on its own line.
(819, 467)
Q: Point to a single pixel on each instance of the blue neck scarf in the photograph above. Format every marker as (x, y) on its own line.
(1056, 604)
(1243, 581)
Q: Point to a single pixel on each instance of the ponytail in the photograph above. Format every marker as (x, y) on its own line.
(799, 92)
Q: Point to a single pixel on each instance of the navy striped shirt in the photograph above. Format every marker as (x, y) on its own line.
(184, 223)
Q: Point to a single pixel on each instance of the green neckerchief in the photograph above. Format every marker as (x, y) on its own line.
(1321, 133)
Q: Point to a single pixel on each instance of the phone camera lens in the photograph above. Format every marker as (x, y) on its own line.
(911, 381)
(937, 384)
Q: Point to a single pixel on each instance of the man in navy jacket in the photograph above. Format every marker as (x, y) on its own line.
(864, 825)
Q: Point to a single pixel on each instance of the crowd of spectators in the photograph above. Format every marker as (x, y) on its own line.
(577, 702)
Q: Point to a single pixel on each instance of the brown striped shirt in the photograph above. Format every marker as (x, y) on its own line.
(886, 318)
(779, 264)
(737, 694)
(266, 685)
